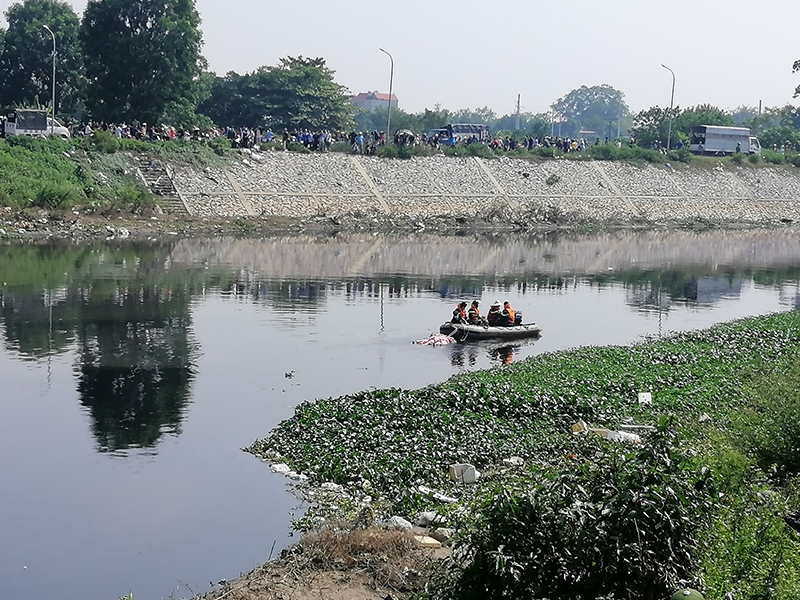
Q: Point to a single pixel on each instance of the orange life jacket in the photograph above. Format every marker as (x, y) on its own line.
(509, 312)
(459, 316)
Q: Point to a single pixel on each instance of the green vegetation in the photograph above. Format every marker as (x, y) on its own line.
(54, 174)
(701, 499)
(140, 58)
(298, 93)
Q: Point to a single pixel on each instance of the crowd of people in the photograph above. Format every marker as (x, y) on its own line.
(359, 142)
(498, 315)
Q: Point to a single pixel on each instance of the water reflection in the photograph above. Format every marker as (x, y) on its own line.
(125, 307)
(127, 321)
(135, 364)
(468, 354)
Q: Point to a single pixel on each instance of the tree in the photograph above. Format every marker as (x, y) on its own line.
(591, 108)
(298, 93)
(26, 62)
(652, 125)
(140, 57)
(795, 69)
(702, 114)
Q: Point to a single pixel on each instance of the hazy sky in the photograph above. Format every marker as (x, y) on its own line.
(469, 53)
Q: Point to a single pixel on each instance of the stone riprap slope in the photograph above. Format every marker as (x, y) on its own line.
(286, 184)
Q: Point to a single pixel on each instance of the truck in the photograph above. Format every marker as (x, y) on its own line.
(35, 122)
(460, 132)
(715, 139)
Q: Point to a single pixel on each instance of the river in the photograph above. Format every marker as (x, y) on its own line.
(134, 371)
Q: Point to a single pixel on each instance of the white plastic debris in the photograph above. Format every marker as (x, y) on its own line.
(399, 523)
(609, 434)
(439, 497)
(280, 468)
(332, 487)
(514, 461)
(427, 518)
(646, 398)
(464, 473)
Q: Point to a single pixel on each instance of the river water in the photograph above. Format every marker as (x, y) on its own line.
(132, 372)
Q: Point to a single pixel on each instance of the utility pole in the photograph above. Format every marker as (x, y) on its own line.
(671, 98)
(517, 123)
(53, 83)
(391, 81)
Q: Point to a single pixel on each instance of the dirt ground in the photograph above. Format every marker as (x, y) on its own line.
(371, 564)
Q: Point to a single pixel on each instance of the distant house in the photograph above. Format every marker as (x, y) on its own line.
(371, 101)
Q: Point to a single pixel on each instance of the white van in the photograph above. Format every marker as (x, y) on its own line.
(33, 122)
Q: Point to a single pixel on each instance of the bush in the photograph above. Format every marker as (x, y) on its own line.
(546, 152)
(622, 523)
(55, 195)
(737, 159)
(775, 158)
(134, 198)
(298, 147)
(220, 145)
(753, 159)
(683, 155)
(770, 428)
(387, 151)
(104, 141)
(341, 147)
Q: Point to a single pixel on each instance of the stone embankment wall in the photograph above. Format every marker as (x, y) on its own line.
(308, 185)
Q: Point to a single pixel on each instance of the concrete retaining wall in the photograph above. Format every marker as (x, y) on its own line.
(306, 185)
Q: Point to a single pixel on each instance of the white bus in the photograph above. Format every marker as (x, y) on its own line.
(714, 139)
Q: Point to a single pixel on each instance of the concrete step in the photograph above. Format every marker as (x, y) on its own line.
(172, 205)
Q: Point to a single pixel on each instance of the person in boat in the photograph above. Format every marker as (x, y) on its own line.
(474, 314)
(460, 313)
(508, 315)
(494, 317)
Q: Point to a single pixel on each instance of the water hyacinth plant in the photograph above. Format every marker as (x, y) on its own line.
(398, 438)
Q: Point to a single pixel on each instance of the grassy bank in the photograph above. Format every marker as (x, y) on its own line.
(96, 173)
(700, 499)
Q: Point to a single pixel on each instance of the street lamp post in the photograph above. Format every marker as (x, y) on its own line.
(391, 81)
(53, 84)
(671, 98)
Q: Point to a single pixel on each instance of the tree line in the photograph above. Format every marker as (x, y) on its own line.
(123, 61)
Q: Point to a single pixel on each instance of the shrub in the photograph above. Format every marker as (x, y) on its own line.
(387, 151)
(55, 195)
(220, 145)
(298, 147)
(621, 523)
(770, 428)
(753, 159)
(104, 141)
(683, 155)
(341, 147)
(737, 158)
(135, 198)
(775, 158)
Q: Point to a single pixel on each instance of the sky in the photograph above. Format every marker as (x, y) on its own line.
(471, 54)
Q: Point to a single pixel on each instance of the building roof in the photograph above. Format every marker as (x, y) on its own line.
(374, 96)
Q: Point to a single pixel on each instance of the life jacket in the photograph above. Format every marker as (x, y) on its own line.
(509, 313)
(474, 315)
(459, 316)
